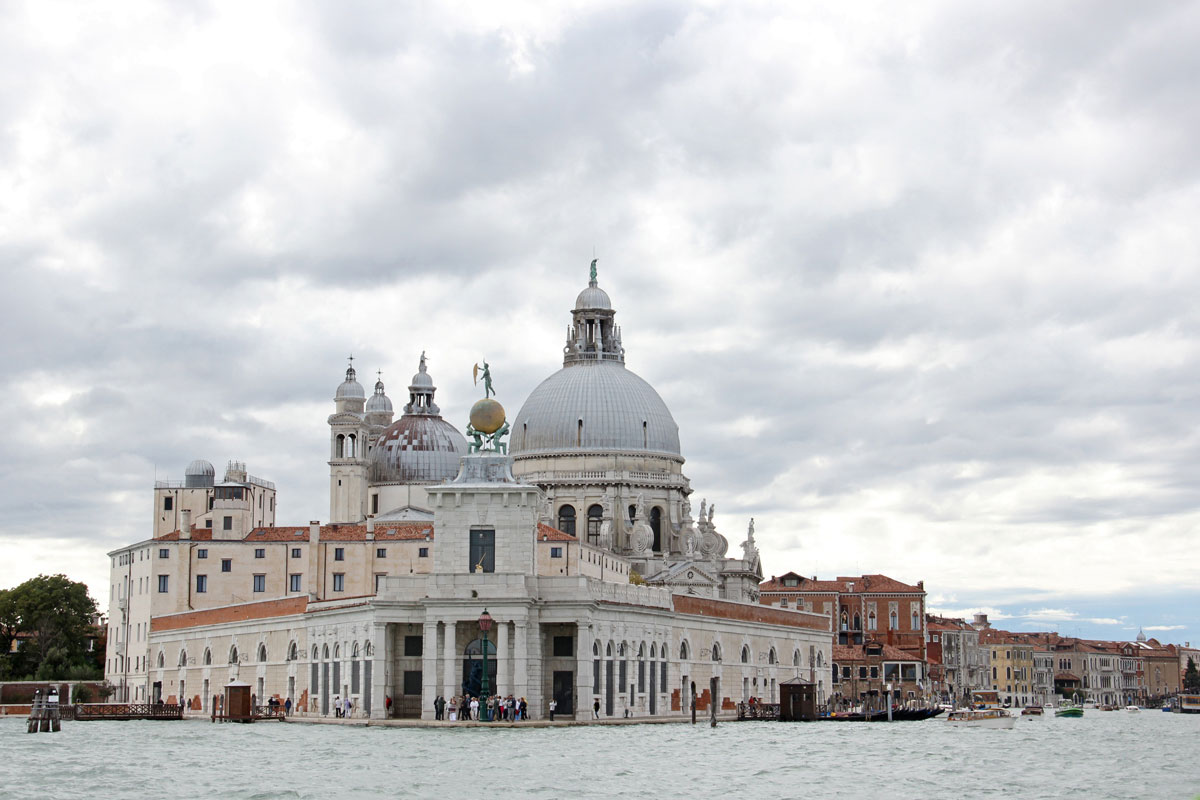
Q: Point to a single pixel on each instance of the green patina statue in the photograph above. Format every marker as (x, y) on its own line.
(594, 260)
(488, 391)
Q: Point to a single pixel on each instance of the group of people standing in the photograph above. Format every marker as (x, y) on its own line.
(342, 707)
(490, 709)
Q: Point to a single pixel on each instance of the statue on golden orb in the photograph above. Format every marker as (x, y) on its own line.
(487, 419)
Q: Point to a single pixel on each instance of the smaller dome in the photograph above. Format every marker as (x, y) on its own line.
(199, 473)
(593, 297)
(379, 403)
(350, 388)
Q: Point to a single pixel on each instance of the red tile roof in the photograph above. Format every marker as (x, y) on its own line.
(862, 584)
(549, 534)
(239, 613)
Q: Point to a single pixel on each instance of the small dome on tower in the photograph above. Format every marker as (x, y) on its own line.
(199, 474)
(379, 403)
(593, 297)
(350, 389)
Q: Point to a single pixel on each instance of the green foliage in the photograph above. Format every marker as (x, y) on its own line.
(50, 617)
(1191, 677)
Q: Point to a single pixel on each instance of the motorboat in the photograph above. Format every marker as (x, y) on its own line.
(981, 718)
(1132, 709)
(1069, 711)
(1032, 711)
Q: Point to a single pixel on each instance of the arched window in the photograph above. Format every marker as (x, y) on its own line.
(325, 652)
(316, 653)
(293, 652)
(745, 654)
(337, 651)
(183, 658)
(916, 621)
(653, 650)
(716, 651)
(819, 658)
(566, 519)
(369, 649)
(162, 659)
(857, 622)
(207, 656)
(354, 652)
(595, 517)
(656, 528)
(632, 514)
(262, 653)
(608, 650)
(893, 621)
(339, 450)
(683, 651)
(595, 648)
(233, 655)
(871, 623)
(771, 656)
(796, 657)
(351, 442)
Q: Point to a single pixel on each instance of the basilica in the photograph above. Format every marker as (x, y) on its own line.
(567, 563)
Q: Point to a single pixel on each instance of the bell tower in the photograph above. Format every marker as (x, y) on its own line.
(348, 441)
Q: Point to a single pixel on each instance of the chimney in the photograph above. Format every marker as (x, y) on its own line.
(185, 523)
(314, 531)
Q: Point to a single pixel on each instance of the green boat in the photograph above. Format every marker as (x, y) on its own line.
(1068, 711)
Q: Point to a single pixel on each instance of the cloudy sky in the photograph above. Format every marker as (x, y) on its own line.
(917, 281)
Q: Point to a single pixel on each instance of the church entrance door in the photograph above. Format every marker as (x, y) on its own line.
(564, 691)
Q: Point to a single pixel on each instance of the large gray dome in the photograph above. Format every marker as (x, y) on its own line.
(619, 411)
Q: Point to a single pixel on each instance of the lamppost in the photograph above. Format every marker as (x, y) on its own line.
(485, 625)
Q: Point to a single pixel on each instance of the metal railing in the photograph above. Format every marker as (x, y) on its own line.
(94, 711)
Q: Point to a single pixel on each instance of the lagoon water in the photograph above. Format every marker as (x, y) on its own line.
(1103, 755)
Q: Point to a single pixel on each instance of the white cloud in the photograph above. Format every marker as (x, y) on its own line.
(915, 281)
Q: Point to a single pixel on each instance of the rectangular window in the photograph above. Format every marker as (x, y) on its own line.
(293, 583)
(260, 583)
(339, 581)
(482, 555)
(381, 552)
(846, 673)
(375, 504)
(201, 584)
(874, 672)
(556, 552)
(862, 673)
(168, 503)
(422, 552)
(163, 583)
(227, 524)
(208, 523)
(295, 552)
(339, 554)
(412, 682)
(260, 552)
(164, 553)
(564, 646)
(414, 646)
(226, 565)
(201, 553)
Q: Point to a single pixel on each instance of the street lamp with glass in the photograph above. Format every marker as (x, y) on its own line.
(485, 625)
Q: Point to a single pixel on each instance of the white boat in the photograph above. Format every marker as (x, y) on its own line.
(981, 718)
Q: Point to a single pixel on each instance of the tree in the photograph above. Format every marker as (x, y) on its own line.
(1191, 677)
(51, 616)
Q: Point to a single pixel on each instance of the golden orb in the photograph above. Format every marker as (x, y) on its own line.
(487, 416)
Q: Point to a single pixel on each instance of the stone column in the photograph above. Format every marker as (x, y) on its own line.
(381, 669)
(429, 663)
(450, 656)
(584, 697)
(502, 661)
(520, 677)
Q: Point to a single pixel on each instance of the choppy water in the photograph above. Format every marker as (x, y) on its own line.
(1103, 755)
